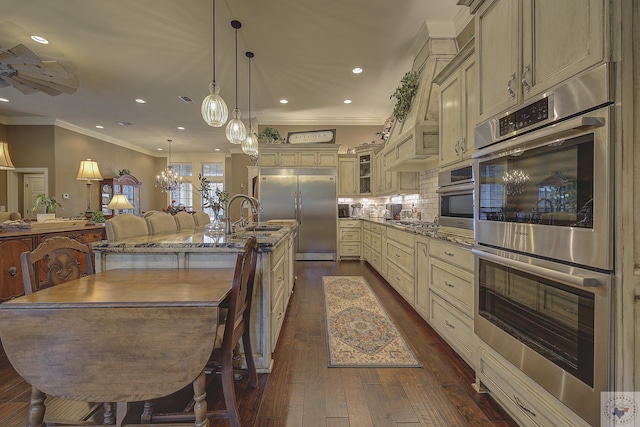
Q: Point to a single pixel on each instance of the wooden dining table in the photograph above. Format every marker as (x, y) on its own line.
(123, 335)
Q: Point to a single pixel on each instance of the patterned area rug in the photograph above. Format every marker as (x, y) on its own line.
(359, 331)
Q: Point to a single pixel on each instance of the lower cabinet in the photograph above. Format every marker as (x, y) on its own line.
(526, 402)
(422, 276)
(349, 238)
(400, 262)
(281, 288)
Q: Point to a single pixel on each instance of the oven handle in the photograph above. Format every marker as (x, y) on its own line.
(541, 137)
(578, 281)
(456, 189)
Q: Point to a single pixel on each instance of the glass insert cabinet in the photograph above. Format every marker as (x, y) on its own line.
(124, 184)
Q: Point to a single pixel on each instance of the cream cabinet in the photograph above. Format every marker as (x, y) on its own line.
(280, 262)
(349, 238)
(400, 262)
(524, 47)
(422, 276)
(366, 170)
(457, 106)
(390, 181)
(301, 155)
(450, 298)
(347, 170)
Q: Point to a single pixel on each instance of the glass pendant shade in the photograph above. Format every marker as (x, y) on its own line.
(250, 144)
(236, 131)
(214, 109)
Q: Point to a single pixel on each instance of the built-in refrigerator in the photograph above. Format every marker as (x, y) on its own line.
(309, 197)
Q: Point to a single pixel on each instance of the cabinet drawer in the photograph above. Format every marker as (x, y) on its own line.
(400, 236)
(366, 225)
(521, 403)
(349, 223)
(277, 254)
(376, 243)
(453, 326)
(455, 285)
(277, 318)
(401, 256)
(349, 235)
(375, 228)
(452, 254)
(402, 283)
(277, 280)
(366, 237)
(366, 253)
(89, 236)
(375, 261)
(349, 249)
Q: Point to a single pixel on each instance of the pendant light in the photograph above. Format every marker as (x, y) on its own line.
(250, 143)
(236, 132)
(214, 109)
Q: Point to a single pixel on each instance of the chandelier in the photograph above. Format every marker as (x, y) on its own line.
(250, 143)
(169, 179)
(515, 181)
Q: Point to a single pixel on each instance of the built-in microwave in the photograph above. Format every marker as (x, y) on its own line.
(455, 187)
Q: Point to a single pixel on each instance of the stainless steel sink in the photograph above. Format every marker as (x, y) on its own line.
(263, 228)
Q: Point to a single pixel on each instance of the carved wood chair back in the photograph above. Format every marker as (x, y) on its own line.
(57, 259)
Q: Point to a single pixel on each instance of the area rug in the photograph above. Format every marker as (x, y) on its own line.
(360, 333)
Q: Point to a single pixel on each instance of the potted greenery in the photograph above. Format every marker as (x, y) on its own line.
(269, 135)
(404, 95)
(50, 205)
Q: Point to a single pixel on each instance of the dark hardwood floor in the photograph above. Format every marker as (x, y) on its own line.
(302, 391)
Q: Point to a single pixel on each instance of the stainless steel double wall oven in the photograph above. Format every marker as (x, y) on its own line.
(544, 228)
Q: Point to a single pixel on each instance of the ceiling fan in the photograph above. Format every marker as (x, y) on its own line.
(22, 69)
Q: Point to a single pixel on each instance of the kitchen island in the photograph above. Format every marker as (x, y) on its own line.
(198, 249)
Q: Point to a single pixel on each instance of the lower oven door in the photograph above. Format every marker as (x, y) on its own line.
(551, 320)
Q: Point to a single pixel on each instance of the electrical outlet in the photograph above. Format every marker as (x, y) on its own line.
(65, 195)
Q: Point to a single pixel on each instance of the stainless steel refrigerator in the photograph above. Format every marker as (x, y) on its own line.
(308, 196)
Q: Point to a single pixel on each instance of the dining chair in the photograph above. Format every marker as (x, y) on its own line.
(185, 221)
(161, 223)
(57, 260)
(234, 327)
(201, 219)
(125, 226)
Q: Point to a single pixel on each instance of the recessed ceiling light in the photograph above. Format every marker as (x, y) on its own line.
(347, 101)
(125, 123)
(180, 127)
(4, 100)
(140, 101)
(159, 149)
(100, 126)
(216, 149)
(39, 39)
(284, 101)
(356, 70)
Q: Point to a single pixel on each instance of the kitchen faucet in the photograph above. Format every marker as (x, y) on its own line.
(255, 207)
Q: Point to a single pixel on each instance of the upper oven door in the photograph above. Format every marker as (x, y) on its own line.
(548, 192)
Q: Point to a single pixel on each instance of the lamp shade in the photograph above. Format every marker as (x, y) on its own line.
(89, 170)
(119, 201)
(5, 160)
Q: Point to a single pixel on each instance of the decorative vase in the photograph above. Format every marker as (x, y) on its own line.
(215, 226)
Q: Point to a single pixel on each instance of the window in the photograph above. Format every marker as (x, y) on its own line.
(214, 172)
(183, 193)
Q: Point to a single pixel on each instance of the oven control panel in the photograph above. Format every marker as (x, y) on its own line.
(525, 117)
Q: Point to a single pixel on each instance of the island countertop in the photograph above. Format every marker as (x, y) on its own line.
(198, 240)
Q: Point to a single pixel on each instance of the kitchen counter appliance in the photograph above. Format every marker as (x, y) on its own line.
(455, 187)
(392, 210)
(308, 196)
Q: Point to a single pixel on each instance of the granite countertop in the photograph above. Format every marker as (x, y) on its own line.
(198, 241)
(424, 228)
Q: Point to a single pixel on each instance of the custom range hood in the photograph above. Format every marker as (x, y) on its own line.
(413, 143)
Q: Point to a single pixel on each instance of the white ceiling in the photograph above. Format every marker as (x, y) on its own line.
(161, 49)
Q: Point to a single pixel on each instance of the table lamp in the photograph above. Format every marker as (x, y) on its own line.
(89, 171)
(5, 160)
(119, 201)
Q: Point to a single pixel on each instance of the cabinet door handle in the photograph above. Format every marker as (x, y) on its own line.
(13, 271)
(523, 407)
(456, 148)
(448, 253)
(449, 324)
(525, 84)
(463, 144)
(512, 94)
(424, 251)
(451, 285)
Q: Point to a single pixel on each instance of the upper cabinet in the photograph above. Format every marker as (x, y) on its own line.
(298, 155)
(457, 106)
(347, 175)
(525, 47)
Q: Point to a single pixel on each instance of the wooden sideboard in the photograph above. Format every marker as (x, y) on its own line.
(12, 244)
